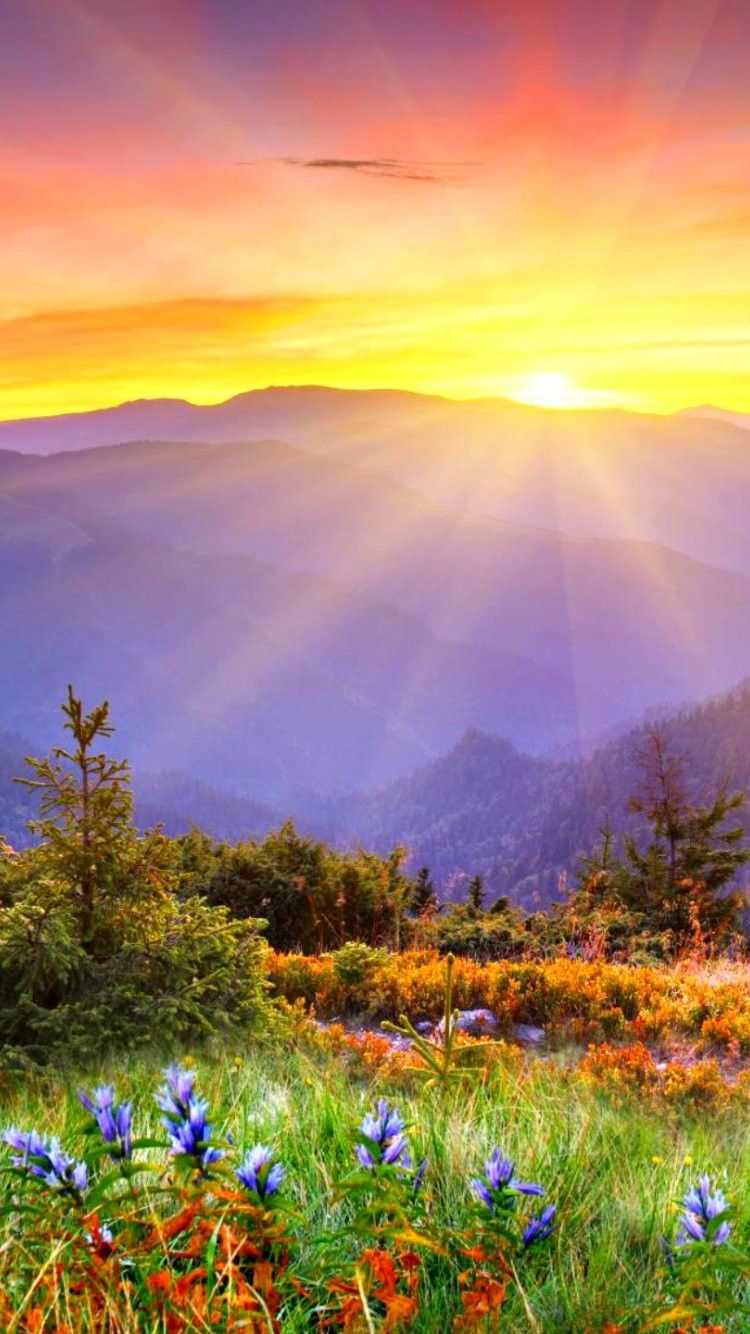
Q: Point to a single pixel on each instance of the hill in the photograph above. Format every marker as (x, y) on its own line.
(350, 626)
(522, 822)
(173, 800)
(679, 481)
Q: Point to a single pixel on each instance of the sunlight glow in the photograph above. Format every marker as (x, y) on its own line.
(549, 389)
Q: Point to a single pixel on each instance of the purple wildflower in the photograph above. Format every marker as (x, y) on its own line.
(259, 1173)
(186, 1119)
(540, 1227)
(387, 1143)
(114, 1122)
(702, 1208)
(499, 1179)
(175, 1094)
(44, 1158)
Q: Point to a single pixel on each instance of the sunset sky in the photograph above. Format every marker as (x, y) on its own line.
(546, 199)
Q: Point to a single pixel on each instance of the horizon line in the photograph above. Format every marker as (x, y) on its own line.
(505, 399)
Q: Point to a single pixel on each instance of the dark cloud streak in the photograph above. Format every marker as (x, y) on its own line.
(398, 169)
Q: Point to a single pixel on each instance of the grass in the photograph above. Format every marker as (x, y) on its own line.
(615, 1169)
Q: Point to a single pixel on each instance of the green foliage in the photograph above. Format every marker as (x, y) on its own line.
(355, 962)
(95, 945)
(463, 930)
(313, 898)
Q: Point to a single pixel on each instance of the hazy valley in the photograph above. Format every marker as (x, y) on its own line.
(302, 597)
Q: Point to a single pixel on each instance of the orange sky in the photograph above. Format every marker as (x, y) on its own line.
(205, 196)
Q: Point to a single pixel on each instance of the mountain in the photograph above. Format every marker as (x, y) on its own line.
(174, 800)
(179, 803)
(264, 680)
(524, 823)
(16, 802)
(294, 621)
(708, 411)
(678, 481)
(527, 632)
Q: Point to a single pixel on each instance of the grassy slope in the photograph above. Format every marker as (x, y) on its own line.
(597, 1159)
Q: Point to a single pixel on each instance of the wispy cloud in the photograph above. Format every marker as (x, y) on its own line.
(399, 169)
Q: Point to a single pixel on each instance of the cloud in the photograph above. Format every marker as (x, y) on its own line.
(399, 169)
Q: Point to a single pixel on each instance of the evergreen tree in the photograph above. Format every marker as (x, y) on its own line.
(681, 880)
(475, 896)
(85, 822)
(96, 947)
(424, 897)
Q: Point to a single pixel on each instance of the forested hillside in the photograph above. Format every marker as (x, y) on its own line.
(524, 823)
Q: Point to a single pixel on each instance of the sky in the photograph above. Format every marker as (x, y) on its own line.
(541, 199)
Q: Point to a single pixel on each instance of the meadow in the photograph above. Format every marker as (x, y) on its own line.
(342, 1245)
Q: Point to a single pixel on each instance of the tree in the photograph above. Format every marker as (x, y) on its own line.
(85, 821)
(423, 897)
(96, 946)
(475, 896)
(681, 881)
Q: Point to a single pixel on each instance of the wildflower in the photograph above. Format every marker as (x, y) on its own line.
(702, 1207)
(419, 1176)
(540, 1227)
(259, 1173)
(186, 1119)
(174, 1096)
(115, 1123)
(387, 1143)
(44, 1158)
(499, 1178)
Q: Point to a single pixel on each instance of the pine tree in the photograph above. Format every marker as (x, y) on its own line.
(475, 896)
(424, 897)
(681, 879)
(85, 822)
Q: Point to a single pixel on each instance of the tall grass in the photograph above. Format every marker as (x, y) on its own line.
(615, 1169)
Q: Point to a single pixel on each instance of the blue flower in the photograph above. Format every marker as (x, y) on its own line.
(259, 1173)
(115, 1123)
(540, 1227)
(499, 1180)
(44, 1158)
(384, 1124)
(419, 1176)
(702, 1207)
(186, 1119)
(387, 1143)
(175, 1094)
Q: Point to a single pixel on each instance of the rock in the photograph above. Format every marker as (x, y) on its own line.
(477, 1023)
(528, 1033)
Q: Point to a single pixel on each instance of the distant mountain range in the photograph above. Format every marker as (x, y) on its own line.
(680, 481)
(309, 592)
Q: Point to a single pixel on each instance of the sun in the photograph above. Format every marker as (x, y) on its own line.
(549, 389)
